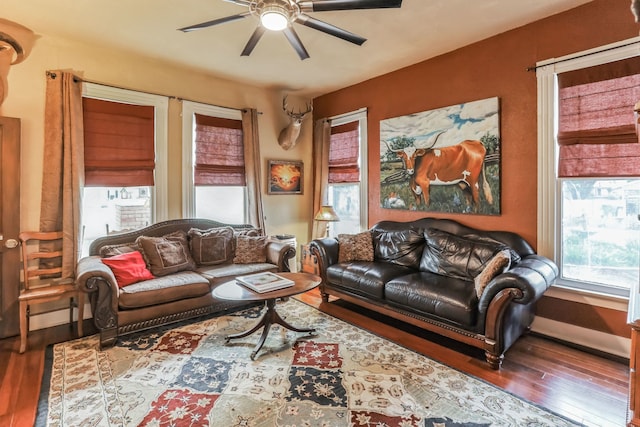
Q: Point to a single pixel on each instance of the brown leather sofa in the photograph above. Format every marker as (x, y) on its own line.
(444, 277)
(168, 298)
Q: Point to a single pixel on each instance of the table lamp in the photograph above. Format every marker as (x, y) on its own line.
(327, 214)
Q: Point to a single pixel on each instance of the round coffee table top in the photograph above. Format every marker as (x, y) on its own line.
(303, 282)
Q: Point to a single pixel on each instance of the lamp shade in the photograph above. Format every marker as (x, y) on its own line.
(326, 213)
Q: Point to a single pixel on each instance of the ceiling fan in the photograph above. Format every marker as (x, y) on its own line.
(279, 15)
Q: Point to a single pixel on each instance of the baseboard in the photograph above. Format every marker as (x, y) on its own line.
(55, 318)
(583, 337)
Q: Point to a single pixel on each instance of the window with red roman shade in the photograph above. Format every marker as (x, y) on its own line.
(596, 124)
(219, 152)
(119, 144)
(344, 151)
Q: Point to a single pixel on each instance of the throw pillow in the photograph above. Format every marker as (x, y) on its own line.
(496, 265)
(167, 254)
(252, 232)
(128, 268)
(122, 248)
(213, 246)
(452, 255)
(355, 247)
(250, 249)
(402, 247)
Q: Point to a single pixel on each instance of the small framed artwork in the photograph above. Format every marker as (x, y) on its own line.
(285, 177)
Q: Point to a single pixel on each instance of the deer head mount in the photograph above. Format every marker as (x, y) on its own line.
(288, 137)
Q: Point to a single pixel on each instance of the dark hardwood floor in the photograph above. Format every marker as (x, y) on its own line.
(584, 387)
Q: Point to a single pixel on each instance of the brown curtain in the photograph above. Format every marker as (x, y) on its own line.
(119, 144)
(321, 145)
(63, 166)
(252, 166)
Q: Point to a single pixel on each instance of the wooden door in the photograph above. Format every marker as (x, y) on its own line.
(9, 225)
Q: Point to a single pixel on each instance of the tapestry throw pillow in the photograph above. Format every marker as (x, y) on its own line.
(250, 249)
(402, 247)
(129, 268)
(252, 232)
(212, 246)
(122, 248)
(455, 256)
(496, 265)
(167, 254)
(355, 247)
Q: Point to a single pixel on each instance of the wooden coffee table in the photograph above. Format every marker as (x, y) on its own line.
(303, 282)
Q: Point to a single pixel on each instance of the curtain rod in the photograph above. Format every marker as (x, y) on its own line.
(535, 67)
(76, 79)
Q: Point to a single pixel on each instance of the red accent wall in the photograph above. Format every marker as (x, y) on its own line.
(492, 67)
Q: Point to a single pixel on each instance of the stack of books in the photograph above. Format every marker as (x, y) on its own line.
(264, 282)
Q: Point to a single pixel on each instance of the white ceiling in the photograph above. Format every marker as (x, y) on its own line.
(421, 29)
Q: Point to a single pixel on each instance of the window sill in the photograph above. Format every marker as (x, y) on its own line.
(588, 297)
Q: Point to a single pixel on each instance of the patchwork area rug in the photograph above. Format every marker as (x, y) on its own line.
(186, 375)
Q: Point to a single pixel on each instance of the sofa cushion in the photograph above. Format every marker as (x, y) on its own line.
(496, 265)
(365, 278)
(250, 249)
(450, 299)
(355, 247)
(402, 247)
(515, 256)
(128, 268)
(212, 246)
(122, 248)
(167, 254)
(177, 286)
(455, 256)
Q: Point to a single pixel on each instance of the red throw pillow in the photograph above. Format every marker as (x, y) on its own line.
(128, 268)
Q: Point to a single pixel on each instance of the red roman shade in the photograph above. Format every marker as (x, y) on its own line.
(596, 123)
(344, 152)
(119, 144)
(219, 156)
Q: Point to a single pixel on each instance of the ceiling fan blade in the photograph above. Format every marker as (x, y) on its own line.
(319, 25)
(215, 22)
(253, 41)
(327, 5)
(295, 41)
(240, 2)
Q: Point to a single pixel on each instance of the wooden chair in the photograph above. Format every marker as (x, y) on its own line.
(42, 283)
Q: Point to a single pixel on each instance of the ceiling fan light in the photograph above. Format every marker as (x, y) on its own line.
(274, 17)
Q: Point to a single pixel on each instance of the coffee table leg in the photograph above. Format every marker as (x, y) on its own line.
(270, 317)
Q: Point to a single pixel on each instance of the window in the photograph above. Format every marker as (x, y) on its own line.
(347, 189)
(125, 160)
(213, 163)
(588, 173)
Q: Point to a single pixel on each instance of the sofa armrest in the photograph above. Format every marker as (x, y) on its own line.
(92, 266)
(326, 253)
(532, 276)
(280, 253)
(96, 278)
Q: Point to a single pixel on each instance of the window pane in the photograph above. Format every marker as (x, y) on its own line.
(600, 231)
(223, 204)
(345, 199)
(108, 210)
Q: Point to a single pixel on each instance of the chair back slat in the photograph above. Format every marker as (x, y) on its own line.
(38, 263)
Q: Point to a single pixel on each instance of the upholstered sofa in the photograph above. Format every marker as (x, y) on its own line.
(477, 287)
(181, 262)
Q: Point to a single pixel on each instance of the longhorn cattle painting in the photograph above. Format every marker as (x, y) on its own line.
(443, 160)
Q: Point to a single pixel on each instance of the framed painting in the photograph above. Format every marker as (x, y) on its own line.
(443, 160)
(285, 177)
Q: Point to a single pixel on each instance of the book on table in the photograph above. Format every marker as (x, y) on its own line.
(264, 282)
